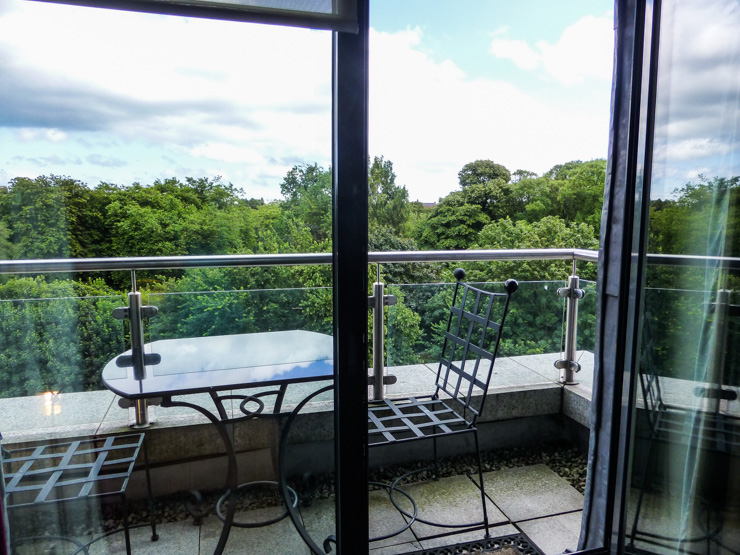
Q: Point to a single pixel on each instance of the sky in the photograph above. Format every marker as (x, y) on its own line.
(119, 97)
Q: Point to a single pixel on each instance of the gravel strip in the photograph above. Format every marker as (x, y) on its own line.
(567, 462)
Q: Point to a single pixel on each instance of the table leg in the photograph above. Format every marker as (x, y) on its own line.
(231, 477)
(284, 489)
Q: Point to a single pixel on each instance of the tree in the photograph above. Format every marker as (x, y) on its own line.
(35, 211)
(492, 197)
(388, 204)
(453, 224)
(307, 192)
(383, 239)
(573, 192)
(482, 172)
(550, 232)
(6, 247)
(686, 224)
(518, 175)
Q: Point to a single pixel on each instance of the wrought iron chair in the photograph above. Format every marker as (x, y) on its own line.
(469, 350)
(671, 424)
(68, 471)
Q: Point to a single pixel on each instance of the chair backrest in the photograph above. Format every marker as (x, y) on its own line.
(470, 346)
(652, 396)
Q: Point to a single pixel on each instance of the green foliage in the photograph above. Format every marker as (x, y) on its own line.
(572, 191)
(704, 211)
(403, 331)
(388, 204)
(453, 224)
(307, 192)
(550, 232)
(383, 239)
(37, 214)
(481, 172)
(57, 334)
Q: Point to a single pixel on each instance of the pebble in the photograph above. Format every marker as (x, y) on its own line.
(568, 462)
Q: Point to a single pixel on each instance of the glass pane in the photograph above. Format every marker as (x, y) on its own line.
(492, 119)
(131, 135)
(533, 328)
(686, 443)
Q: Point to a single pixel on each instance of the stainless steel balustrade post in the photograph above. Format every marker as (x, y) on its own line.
(134, 313)
(141, 406)
(568, 365)
(378, 343)
(377, 302)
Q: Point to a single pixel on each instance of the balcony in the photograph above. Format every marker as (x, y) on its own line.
(533, 407)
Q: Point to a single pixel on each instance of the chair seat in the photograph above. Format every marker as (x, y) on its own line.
(412, 418)
(713, 431)
(70, 470)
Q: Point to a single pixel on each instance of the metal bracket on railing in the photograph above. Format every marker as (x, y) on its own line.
(377, 302)
(568, 366)
(134, 312)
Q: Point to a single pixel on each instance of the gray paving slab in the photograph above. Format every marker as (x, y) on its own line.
(454, 500)
(543, 365)
(319, 519)
(507, 372)
(554, 534)
(664, 513)
(577, 403)
(280, 537)
(530, 492)
(181, 538)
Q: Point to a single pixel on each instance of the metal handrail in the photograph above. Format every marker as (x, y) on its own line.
(725, 262)
(291, 259)
(231, 260)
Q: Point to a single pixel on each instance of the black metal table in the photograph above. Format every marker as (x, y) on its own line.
(217, 365)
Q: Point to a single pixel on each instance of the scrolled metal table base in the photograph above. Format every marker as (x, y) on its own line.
(225, 496)
(413, 516)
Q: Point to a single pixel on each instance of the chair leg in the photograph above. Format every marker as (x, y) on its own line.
(482, 488)
(643, 485)
(126, 534)
(436, 459)
(153, 523)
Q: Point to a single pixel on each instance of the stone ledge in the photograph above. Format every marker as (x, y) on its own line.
(522, 387)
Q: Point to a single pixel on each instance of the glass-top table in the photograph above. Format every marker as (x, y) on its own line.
(218, 365)
(202, 364)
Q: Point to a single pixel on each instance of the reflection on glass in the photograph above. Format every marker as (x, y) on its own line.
(685, 481)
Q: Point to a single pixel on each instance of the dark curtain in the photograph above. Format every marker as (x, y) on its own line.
(613, 279)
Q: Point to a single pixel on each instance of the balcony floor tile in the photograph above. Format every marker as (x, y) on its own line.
(554, 534)
(181, 538)
(281, 537)
(530, 492)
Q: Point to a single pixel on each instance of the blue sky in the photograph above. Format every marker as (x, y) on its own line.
(122, 97)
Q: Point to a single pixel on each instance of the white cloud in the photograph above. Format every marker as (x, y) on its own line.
(430, 119)
(518, 51)
(226, 92)
(177, 97)
(698, 106)
(583, 51)
(52, 135)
